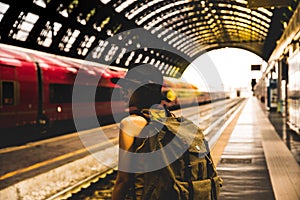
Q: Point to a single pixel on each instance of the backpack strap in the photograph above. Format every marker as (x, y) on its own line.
(188, 173)
(167, 111)
(210, 167)
(210, 171)
(140, 113)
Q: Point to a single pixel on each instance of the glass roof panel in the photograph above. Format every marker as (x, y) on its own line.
(124, 5)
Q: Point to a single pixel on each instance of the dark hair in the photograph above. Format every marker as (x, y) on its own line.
(146, 96)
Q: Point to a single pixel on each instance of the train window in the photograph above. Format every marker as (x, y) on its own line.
(8, 97)
(60, 93)
(105, 94)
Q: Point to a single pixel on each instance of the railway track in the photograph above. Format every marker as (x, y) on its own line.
(100, 186)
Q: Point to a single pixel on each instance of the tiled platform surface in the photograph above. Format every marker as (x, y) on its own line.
(256, 164)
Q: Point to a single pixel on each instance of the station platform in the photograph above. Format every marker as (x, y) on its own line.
(253, 160)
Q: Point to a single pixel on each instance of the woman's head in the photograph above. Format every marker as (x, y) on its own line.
(143, 85)
(146, 97)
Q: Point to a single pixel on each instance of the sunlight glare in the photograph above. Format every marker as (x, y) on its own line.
(233, 66)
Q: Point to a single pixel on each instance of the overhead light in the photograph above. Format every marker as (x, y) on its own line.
(105, 1)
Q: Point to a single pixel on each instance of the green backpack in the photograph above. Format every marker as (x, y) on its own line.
(181, 166)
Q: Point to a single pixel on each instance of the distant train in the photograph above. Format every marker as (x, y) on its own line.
(36, 89)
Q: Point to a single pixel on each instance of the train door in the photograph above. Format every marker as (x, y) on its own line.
(8, 95)
(27, 108)
(18, 92)
(57, 83)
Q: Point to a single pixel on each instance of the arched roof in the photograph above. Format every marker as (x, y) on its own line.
(122, 33)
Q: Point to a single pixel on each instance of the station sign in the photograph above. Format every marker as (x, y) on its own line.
(255, 67)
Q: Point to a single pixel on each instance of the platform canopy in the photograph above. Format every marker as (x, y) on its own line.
(166, 33)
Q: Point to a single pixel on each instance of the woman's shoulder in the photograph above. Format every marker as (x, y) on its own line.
(133, 124)
(134, 119)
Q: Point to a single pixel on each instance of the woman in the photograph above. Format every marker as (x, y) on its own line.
(142, 87)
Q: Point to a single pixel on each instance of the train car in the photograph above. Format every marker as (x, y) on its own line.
(182, 93)
(187, 94)
(293, 92)
(36, 89)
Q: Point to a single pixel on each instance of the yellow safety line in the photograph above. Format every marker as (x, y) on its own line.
(69, 135)
(222, 142)
(59, 158)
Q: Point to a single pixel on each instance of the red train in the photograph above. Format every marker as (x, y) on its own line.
(36, 88)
